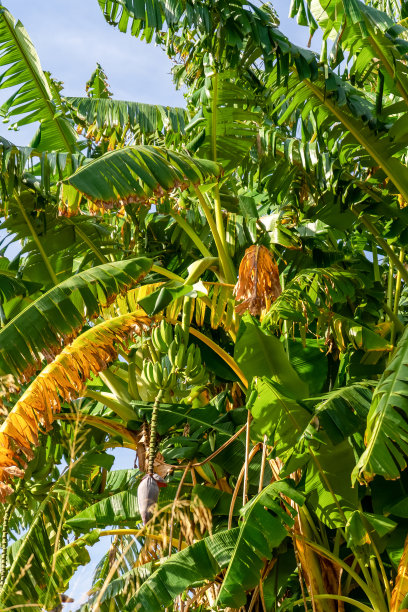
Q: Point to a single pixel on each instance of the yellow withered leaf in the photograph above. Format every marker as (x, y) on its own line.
(258, 281)
(401, 582)
(63, 379)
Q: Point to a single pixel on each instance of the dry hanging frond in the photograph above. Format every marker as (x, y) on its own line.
(258, 281)
(63, 378)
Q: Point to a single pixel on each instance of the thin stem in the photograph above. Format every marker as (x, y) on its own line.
(217, 200)
(383, 573)
(191, 233)
(285, 322)
(153, 433)
(263, 462)
(37, 241)
(329, 555)
(376, 267)
(390, 285)
(239, 480)
(247, 444)
(349, 577)
(377, 584)
(301, 577)
(173, 507)
(308, 518)
(4, 544)
(223, 254)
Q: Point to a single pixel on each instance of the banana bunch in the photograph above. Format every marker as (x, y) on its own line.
(162, 337)
(174, 363)
(157, 376)
(194, 371)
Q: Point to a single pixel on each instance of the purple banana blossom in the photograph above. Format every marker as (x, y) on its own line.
(148, 494)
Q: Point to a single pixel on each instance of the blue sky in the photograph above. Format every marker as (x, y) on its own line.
(71, 36)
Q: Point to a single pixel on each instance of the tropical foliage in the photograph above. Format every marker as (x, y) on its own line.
(221, 289)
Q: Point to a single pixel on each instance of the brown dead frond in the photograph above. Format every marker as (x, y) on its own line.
(258, 281)
(64, 379)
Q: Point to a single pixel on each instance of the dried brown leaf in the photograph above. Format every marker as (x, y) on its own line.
(258, 281)
(64, 379)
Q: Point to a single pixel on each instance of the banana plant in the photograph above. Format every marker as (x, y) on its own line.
(222, 290)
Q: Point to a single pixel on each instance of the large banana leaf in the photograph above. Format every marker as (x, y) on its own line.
(371, 36)
(10, 286)
(189, 568)
(386, 436)
(329, 493)
(262, 530)
(63, 378)
(228, 130)
(278, 415)
(40, 331)
(331, 98)
(119, 509)
(105, 114)
(258, 353)
(64, 242)
(34, 96)
(38, 169)
(234, 28)
(134, 174)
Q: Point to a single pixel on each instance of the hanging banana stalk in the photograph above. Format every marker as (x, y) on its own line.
(173, 369)
(148, 489)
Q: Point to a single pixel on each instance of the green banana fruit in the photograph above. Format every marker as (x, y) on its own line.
(180, 362)
(172, 353)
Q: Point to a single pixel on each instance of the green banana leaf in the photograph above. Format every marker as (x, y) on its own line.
(328, 485)
(134, 174)
(264, 527)
(277, 415)
(60, 313)
(107, 114)
(258, 353)
(35, 98)
(386, 436)
(201, 561)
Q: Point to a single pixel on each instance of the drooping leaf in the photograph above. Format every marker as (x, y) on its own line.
(34, 97)
(64, 378)
(101, 116)
(46, 325)
(133, 174)
(192, 566)
(386, 436)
